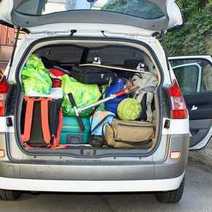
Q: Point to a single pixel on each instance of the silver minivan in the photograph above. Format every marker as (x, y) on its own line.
(116, 31)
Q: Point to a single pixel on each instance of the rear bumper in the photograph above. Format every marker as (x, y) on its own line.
(91, 186)
(166, 176)
(96, 175)
(94, 170)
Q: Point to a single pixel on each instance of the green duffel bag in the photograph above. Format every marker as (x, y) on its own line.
(128, 134)
(35, 77)
(84, 95)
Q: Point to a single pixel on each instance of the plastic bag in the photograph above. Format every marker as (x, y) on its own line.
(36, 78)
(83, 94)
(98, 120)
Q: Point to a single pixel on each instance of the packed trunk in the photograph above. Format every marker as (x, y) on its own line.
(85, 96)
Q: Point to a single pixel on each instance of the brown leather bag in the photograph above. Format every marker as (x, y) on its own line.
(128, 134)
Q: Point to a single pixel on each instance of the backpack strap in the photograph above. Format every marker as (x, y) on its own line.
(56, 138)
(149, 100)
(25, 137)
(45, 120)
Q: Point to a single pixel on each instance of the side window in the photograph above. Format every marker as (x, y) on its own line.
(188, 77)
(31, 7)
(204, 79)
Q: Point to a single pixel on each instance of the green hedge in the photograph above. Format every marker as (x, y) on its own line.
(195, 37)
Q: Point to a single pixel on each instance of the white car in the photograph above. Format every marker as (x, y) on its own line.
(122, 36)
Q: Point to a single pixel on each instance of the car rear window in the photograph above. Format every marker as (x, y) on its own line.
(139, 8)
(109, 55)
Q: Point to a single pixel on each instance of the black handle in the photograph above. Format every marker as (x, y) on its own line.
(72, 100)
(80, 122)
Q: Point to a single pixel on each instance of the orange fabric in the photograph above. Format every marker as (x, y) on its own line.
(28, 119)
(44, 104)
(61, 146)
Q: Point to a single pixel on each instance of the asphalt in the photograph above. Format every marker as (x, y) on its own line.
(203, 156)
(197, 197)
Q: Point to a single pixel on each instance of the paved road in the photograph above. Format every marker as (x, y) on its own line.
(197, 197)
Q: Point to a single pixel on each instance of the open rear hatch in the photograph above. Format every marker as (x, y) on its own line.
(149, 15)
(144, 17)
(75, 96)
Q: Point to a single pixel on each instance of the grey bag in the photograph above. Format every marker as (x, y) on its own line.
(145, 81)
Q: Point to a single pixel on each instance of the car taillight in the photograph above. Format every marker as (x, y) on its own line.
(178, 106)
(4, 88)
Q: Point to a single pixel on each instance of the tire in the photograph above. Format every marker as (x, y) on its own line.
(7, 195)
(171, 196)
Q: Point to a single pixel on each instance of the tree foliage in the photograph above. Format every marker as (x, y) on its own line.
(139, 8)
(195, 37)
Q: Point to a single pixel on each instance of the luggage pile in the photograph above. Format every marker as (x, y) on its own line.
(88, 104)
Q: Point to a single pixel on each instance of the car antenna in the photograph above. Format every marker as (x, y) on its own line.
(18, 29)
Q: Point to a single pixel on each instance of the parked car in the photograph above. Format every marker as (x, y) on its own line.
(119, 38)
(194, 74)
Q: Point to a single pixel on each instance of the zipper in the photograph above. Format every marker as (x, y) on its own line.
(141, 124)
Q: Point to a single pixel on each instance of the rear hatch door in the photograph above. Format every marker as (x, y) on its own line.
(150, 15)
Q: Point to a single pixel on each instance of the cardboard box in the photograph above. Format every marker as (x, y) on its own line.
(7, 36)
(5, 53)
(3, 66)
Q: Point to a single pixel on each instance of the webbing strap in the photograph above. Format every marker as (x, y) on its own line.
(149, 100)
(28, 119)
(45, 120)
(56, 139)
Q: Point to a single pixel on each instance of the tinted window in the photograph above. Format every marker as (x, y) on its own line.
(116, 55)
(187, 77)
(139, 8)
(206, 76)
(109, 55)
(64, 54)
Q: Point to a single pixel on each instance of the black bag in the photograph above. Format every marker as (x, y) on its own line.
(92, 75)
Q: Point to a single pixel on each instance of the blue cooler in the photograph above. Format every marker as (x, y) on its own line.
(71, 133)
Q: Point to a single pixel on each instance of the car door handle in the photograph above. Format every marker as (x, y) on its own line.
(194, 108)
